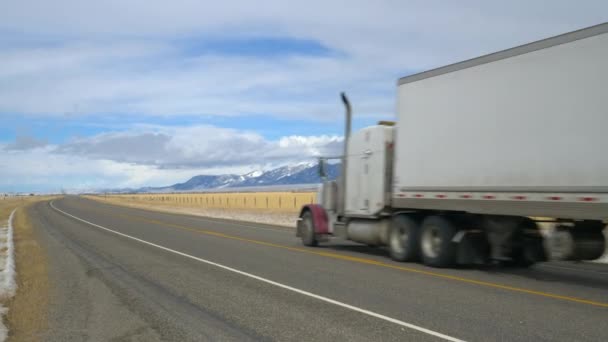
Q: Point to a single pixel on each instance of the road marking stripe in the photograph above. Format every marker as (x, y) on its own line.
(377, 263)
(268, 281)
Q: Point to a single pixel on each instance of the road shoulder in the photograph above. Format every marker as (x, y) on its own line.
(27, 315)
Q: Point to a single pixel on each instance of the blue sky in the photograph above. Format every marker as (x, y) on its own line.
(59, 130)
(137, 93)
(268, 47)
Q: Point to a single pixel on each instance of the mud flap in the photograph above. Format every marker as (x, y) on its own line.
(534, 249)
(473, 247)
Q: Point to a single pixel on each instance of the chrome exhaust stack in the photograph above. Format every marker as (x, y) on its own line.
(347, 130)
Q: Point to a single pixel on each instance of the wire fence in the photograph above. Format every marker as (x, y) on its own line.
(281, 201)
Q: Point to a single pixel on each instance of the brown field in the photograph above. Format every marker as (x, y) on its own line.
(276, 201)
(278, 208)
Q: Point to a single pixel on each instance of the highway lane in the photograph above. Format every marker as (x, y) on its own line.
(108, 285)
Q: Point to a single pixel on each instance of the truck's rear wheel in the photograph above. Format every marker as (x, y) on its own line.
(584, 241)
(308, 230)
(403, 238)
(436, 246)
(528, 247)
(532, 252)
(590, 239)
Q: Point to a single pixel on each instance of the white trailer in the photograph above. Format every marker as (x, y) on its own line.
(480, 149)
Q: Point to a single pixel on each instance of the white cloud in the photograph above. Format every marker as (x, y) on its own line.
(86, 81)
(201, 146)
(46, 171)
(121, 57)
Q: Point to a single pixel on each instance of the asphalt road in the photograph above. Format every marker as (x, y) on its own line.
(123, 274)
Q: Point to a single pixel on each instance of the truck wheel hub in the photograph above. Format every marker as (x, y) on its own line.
(431, 242)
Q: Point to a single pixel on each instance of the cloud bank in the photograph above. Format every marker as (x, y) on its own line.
(151, 155)
(151, 57)
(161, 61)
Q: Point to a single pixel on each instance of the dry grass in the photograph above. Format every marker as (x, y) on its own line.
(26, 317)
(276, 201)
(7, 204)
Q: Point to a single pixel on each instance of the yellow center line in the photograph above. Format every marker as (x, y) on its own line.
(371, 262)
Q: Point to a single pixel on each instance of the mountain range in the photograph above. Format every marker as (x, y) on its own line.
(298, 174)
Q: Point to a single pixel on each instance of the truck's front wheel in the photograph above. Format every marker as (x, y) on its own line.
(308, 230)
(403, 238)
(436, 245)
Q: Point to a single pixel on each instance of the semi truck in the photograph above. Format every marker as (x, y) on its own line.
(482, 152)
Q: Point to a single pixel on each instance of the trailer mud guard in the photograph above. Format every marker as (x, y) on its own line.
(319, 217)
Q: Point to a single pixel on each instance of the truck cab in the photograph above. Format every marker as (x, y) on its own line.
(369, 170)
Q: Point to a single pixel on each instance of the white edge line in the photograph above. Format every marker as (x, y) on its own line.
(8, 288)
(9, 285)
(267, 281)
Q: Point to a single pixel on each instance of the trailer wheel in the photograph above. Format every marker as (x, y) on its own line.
(533, 251)
(590, 240)
(436, 245)
(308, 230)
(528, 246)
(403, 239)
(589, 245)
(584, 241)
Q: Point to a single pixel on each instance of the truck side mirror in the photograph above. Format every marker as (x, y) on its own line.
(322, 171)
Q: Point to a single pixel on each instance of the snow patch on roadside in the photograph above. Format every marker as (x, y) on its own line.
(268, 217)
(8, 285)
(285, 219)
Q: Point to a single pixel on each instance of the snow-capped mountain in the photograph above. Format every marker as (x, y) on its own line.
(302, 173)
(282, 175)
(206, 182)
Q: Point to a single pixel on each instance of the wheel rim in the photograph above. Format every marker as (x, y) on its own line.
(399, 239)
(431, 241)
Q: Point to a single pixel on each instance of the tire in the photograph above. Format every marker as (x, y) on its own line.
(308, 230)
(532, 252)
(528, 248)
(403, 239)
(584, 241)
(436, 246)
(589, 245)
